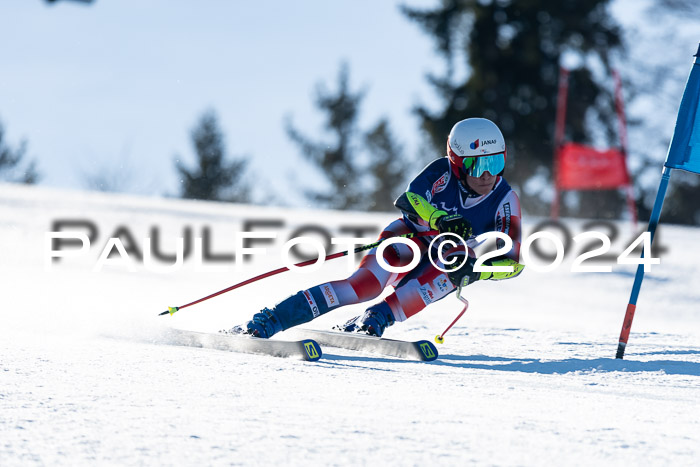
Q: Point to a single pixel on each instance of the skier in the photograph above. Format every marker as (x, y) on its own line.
(463, 194)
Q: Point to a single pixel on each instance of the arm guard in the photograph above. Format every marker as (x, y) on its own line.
(418, 209)
(499, 276)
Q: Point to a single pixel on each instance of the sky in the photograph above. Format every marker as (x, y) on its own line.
(116, 87)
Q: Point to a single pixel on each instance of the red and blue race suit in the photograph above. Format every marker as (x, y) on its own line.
(435, 192)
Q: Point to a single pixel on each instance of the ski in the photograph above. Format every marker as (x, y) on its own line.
(415, 350)
(305, 349)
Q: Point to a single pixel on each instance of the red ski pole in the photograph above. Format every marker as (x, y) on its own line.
(172, 309)
(441, 338)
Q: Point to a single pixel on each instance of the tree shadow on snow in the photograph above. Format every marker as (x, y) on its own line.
(670, 352)
(344, 360)
(569, 365)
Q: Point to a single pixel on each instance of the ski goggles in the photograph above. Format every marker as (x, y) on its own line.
(476, 166)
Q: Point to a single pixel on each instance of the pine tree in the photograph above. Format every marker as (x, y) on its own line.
(213, 178)
(387, 169)
(511, 51)
(337, 159)
(12, 163)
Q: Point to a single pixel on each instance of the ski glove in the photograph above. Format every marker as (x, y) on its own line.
(464, 275)
(455, 224)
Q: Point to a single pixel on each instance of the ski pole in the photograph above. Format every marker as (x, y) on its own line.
(172, 309)
(441, 338)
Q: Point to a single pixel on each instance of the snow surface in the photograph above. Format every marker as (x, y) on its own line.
(527, 377)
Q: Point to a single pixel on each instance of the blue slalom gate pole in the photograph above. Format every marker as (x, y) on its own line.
(653, 222)
(684, 154)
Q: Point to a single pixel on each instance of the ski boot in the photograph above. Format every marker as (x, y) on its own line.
(263, 324)
(290, 312)
(373, 321)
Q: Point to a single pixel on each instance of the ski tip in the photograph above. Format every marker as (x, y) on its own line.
(312, 351)
(428, 351)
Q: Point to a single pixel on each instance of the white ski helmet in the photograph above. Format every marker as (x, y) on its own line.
(474, 146)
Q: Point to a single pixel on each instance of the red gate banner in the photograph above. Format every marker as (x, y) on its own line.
(582, 167)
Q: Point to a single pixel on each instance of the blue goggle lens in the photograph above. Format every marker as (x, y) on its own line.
(476, 166)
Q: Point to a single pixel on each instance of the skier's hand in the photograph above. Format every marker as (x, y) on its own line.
(455, 224)
(461, 271)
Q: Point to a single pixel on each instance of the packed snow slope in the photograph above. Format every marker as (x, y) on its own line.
(527, 377)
